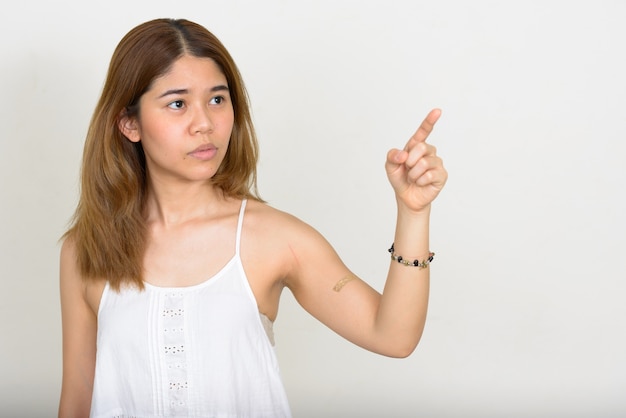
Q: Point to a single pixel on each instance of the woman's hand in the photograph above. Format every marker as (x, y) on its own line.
(416, 173)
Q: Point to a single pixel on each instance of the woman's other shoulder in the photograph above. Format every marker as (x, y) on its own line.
(266, 220)
(73, 285)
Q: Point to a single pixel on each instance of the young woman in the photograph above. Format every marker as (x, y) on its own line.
(172, 269)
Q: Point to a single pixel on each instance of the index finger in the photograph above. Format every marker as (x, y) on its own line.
(424, 129)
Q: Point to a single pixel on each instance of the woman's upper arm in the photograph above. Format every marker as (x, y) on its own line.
(79, 338)
(328, 290)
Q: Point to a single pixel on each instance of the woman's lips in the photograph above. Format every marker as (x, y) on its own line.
(204, 152)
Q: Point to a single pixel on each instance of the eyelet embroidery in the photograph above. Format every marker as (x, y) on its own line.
(174, 349)
(173, 312)
(174, 352)
(178, 385)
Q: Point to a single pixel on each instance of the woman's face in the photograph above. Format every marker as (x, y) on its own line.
(184, 122)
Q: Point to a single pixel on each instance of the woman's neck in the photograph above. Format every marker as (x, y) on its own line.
(171, 205)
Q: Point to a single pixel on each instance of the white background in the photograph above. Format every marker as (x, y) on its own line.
(527, 314)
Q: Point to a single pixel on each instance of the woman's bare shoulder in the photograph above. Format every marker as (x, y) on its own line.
(279, 246)
(279, 234)
(264, 219)
(73, 283)
(70, 274)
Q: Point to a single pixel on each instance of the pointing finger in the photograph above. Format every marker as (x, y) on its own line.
(425, 128)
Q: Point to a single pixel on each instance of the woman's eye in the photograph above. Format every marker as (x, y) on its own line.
(217, 100)
(177, 104)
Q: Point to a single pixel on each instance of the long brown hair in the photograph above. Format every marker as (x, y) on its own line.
(108, 227)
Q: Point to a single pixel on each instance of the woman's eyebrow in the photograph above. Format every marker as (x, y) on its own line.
(171, 92)
(174, 92)
(221, 87)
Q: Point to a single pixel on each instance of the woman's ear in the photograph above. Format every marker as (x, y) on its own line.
(129, 127)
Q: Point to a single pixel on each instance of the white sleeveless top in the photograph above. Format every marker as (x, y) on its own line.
(197, 351)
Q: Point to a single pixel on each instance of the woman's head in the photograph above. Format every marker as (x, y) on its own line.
(145, 53)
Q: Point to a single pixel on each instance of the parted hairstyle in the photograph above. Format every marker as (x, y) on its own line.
(108, 228)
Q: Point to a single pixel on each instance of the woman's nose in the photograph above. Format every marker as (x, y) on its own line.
(201, 121)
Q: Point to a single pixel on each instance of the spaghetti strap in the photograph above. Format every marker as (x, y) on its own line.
(240, 225)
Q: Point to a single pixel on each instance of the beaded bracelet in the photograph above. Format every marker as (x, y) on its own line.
(414, 263)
